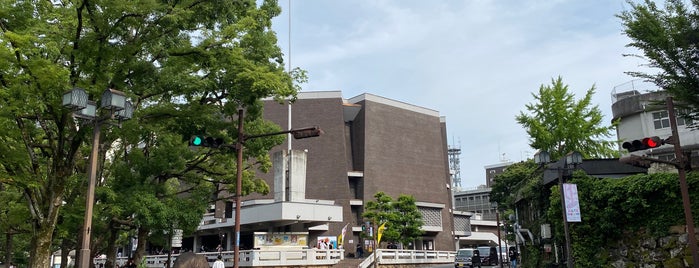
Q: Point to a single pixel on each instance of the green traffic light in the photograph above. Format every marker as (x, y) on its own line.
(196, 141)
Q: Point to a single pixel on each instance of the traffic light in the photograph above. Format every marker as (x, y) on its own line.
(203, 141)
(306, 132)
(642, 144)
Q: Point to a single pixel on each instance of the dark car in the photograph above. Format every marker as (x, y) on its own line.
(489, 255)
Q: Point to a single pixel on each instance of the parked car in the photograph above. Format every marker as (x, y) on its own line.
(463, 257)
(489, 255)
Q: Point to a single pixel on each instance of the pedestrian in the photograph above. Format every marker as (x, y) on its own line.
(219, 263)
(360, 251)
(513, 254)
(219, 248)
(130, 264)
(476, 259)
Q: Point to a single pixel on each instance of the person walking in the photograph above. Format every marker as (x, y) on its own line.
(219, 263)
(513, 254)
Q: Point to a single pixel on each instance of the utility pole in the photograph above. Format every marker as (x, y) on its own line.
(684, 189)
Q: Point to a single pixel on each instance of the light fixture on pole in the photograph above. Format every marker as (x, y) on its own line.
(301, 133)
(571, 159)
(114, 102)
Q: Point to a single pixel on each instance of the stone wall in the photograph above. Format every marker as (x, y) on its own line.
(640, 249)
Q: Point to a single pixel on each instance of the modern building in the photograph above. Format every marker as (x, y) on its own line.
(493, 170)
(484, 220)
(370, 144)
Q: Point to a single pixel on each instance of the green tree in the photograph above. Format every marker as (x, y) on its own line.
(407, 223)
(402, 217)
(517, 181)
(668, 38)
(187, 65)
(559, 124)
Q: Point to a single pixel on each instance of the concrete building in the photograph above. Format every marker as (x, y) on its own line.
(493, 170)
(370, 144)
(641, 111)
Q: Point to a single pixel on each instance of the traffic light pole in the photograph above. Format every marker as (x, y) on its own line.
(300, 133)
(684, 189)
(238, 187)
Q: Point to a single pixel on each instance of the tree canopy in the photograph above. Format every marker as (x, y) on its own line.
(667, 37)
(187, 66)
(402, 218)
(559, 124)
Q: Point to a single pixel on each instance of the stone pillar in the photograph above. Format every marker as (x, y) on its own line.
(289, 175)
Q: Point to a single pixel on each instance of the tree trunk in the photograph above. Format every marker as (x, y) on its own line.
(65, 251)
(41, 246)
(111, 245)
(66, 247)
(141, 248)
(8, 247)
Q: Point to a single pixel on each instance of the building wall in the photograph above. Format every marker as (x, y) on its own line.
(404, 154)
(400, 148)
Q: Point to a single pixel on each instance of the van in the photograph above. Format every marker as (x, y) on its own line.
(463, 257)
(489, 255)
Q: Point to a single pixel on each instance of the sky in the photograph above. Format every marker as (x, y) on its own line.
(476, 62)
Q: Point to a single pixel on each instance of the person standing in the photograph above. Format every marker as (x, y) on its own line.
(476, 258)
(130, 264)
(219, 263)
(513, 254)
(360, 251)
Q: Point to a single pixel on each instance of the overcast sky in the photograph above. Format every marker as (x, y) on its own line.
(477, 62)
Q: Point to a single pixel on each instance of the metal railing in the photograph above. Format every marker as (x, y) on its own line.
(252, 258)
(399, 256)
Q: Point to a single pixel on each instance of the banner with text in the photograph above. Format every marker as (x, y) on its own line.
(570, 193)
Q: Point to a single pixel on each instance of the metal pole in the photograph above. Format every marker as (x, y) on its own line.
(238, 188)
(569, 254)
(499, 251)
(681, 161)
(90, 198)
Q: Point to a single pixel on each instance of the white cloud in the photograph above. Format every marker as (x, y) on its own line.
(476, 62)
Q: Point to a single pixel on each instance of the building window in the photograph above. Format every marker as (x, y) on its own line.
(661, 119)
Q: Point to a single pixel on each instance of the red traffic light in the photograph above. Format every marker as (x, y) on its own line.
(652, 142)
(642, 144)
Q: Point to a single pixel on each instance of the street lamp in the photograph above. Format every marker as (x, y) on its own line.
(300, 133)
(574, 159)
(119, 109)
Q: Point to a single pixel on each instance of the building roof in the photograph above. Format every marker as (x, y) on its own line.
(599, 168)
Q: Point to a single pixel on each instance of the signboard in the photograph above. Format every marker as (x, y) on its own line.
(177, 238)
(280, 240)
(570, 193)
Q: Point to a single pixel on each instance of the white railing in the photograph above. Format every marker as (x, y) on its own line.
(253, 258)
(307, 257)
(398, 256)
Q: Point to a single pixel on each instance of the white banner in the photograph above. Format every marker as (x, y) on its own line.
(570, 193)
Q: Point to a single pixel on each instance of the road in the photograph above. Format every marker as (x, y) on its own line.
(452, 265)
